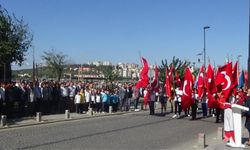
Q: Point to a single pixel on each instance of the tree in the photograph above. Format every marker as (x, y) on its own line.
(109, 73)
(177, 64)
(15, 40)
(56, 61)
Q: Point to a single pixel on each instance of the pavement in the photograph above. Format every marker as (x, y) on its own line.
(54, 118)
(212, 141)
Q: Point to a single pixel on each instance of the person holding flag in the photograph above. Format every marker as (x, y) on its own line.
(168, 87)
(151, 99)
(194, 106)
(144, 81)
(187, 92)
(200, 94)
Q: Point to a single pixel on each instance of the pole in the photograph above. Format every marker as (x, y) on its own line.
(204, 33)
(248, 46)
(238, 59)
(36, 72)
(33, 73)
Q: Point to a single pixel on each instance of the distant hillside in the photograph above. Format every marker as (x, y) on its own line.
(45, 72)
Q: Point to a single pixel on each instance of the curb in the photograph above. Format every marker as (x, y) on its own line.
(43, 122)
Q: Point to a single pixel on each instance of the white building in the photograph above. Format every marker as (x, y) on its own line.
(127, 70)
(100, 63)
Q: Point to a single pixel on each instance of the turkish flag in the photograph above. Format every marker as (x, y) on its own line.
(212, 102)
(146, 97)
(200, 83)
(143, 81)
(217, 101)
(178, 80)
(187, 100)
(224, 79)
(155, 83)
(170, 73)
(210, 82)
(246, 78)
(167, 83)
(235, 75)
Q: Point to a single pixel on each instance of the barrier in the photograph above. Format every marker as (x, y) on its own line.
(38, 117)
(3, 120)
(67, 114)
(202, 140)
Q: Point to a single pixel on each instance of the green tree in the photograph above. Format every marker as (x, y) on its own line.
(109, 73)
(55, 61)
(177, 64)
(15, 40)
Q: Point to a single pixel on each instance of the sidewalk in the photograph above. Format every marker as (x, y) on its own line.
(53, 118)
(46, 119)
(213, 141)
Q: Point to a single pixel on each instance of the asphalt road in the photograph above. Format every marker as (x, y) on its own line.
(129, 131)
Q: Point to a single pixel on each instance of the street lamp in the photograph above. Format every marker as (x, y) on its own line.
(204, 31)
(238, 59)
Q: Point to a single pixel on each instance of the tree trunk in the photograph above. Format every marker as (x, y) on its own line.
(5, 72)
(59, 76)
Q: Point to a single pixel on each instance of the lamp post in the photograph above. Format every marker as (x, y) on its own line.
(33, 66)
(238, 59)
(204, 31)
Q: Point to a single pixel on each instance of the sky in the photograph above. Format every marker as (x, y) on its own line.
(122, 30)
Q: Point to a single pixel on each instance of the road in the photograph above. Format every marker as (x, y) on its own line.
(129, 131)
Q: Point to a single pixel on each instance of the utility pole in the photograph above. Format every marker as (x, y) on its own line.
(204, 49)
(33, 67)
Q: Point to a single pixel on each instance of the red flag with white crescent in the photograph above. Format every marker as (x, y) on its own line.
(246, 78)
(187, 100)
(155, 83)
(224, 79)
(235, 75)
(178, 80)
(143, 81)
(200, 83)
(210, 81)
(170, 73)
(212, 102)
(167, 83)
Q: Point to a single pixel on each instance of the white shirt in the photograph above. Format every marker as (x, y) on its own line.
(87, 96)
(72, 90)
(98, 98)
(64, 91)
(77, 99)
(93, 98)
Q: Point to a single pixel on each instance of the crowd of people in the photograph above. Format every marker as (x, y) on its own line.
(22, 98)
(239, 96)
